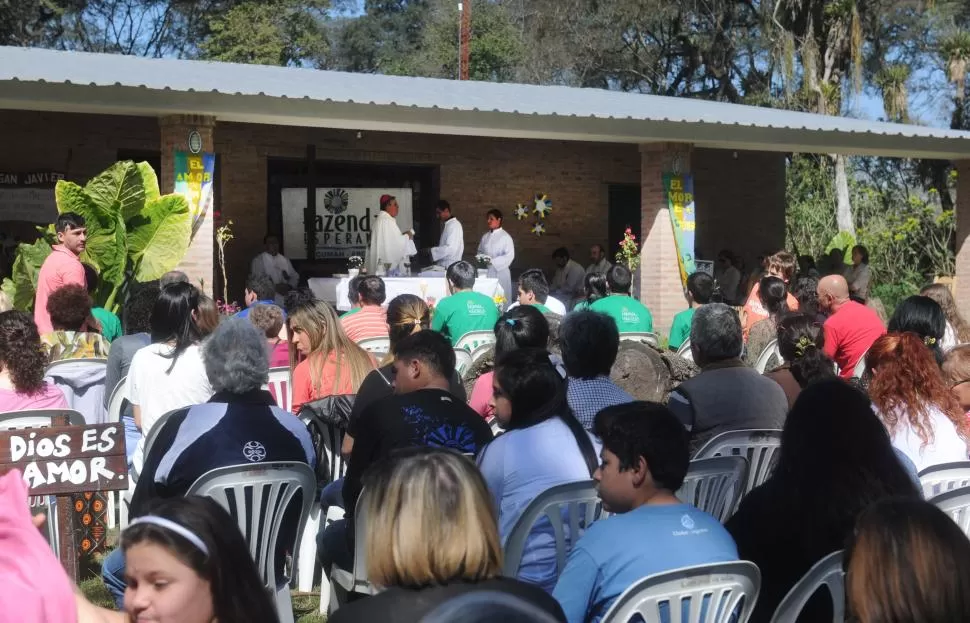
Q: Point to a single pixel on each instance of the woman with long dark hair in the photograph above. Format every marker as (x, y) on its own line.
(801, 342)
(22, 364)
(835, 460)
(168, 374)
(922, 415)
(908, 561)
(595, 287)
(520, 327)
(773, 294)
(543, 446)
(924, 317)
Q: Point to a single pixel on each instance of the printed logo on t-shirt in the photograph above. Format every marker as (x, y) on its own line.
(687, 522)
(474, 309)
(629, 316)
(690, 526)
(254, 451)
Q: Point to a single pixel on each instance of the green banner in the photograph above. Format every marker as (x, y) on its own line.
(680, 200)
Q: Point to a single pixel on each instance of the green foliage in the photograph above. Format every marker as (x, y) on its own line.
(843, 241)
(268, 32)
(134, 233)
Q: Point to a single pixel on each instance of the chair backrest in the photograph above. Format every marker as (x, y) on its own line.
(37, 418)
(956, 504)
(117, 401)
(333, 438)
(258, 497)
(715, 485)
(644, 337)
(360, 543)
(474, 339)
(685, 351)
(280, 387)
(153, 433)
(944, 477)
(376, 345)
(826, 572)
(463, 362)
(759, 447)
(480, 351)
(770, 351)
(860, 366)
(577, 501)
(725, 591)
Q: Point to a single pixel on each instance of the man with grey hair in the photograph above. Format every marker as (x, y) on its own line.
(727, 395)
(172, 276)
(240, 425)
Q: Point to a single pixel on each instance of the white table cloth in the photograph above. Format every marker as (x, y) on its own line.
(334, 289)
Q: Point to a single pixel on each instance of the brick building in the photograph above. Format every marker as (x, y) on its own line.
(598, 154)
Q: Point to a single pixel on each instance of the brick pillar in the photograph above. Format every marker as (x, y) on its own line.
(961, 287)
(199, 260)
(660, 286)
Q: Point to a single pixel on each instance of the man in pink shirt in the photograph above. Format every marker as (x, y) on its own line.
(370, 319)
(62, 267)
(851, 327)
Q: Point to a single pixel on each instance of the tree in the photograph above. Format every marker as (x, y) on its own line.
(271, 32)
(35, 22)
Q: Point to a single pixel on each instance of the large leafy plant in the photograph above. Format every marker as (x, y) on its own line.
(134, 233)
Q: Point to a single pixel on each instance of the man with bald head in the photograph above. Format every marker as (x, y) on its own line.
(851, 327)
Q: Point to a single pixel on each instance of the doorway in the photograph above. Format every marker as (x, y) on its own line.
(624, 212)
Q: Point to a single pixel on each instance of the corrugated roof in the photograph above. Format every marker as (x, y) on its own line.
(86, 82)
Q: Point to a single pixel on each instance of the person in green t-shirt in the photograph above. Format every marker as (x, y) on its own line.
(464, 310)
(110, 323)
(596, 289)
(631, 315)
(700, 289)
(534, 289)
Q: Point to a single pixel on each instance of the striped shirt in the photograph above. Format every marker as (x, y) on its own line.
(370, 321)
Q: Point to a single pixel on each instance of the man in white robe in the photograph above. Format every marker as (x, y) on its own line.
(274, 265)
(451, 246)
(497, 244)
(387, 244)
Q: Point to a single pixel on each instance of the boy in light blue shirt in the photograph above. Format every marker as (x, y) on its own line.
(644, 460)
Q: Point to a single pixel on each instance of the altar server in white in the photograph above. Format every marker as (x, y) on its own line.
(387, 244)
(497, 244)
(451, 246)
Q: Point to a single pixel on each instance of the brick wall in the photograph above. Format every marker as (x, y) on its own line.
(961, 286)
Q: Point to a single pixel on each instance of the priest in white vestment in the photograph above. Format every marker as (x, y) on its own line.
(274, 264)
(387, 244)
(497, 244)
(451, 246)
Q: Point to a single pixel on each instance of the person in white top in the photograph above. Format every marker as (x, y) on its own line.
(451, 246)
(498, 246)
(274, 264)
(598, 262)
(568, 280)
(923, 417)
(389, 249)
(168, 374)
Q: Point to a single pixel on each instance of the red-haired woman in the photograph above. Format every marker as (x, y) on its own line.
(923, 417)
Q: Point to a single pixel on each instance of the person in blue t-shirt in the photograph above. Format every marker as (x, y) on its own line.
(644, 461)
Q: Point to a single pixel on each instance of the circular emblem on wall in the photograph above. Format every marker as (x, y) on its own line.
(336, 201)
(195, 142)
(254, 451)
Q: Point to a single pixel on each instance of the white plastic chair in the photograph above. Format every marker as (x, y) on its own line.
(956, 504)
(258, 498)
(759, 447)
(860, 366)
(580, 504)
(38, 418)
(118, 396)
(463, 362)
(730, 590)
(480, 351)
(117, 511)
(353, 580)
(771, 351)
(474, 339)
(644, 337)
(826, 573)
(685, 351)
(715, 485)
(280, 386)
(945, 477)
(379, 346)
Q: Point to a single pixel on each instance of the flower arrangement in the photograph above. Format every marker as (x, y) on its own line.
(499, 300)
(227, 309)
(629, 253)
(355, 261)
(484, 261)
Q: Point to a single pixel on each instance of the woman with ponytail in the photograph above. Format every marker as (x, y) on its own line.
(800, 341)
(773, 294)
(543, 446)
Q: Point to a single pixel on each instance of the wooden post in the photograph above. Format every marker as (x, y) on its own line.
(66, 540)
(464, 38)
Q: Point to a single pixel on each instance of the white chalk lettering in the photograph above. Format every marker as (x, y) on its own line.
(88, 438)
(58, 472)
(99, 470)
(45, 448)
(107, 439)
(63, 446)
(33, 476)
(18, 448)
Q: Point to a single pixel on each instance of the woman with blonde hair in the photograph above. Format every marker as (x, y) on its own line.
(334, 364)
(907, 561)
(957, 331)
(430, 535)
(922, 415)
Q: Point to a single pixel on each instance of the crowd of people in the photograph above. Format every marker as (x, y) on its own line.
(441, 465)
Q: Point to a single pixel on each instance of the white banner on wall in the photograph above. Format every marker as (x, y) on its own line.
(344, 219)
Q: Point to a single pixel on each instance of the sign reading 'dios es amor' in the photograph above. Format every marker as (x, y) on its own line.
(345, 217)
(67, 459)
(28, 196)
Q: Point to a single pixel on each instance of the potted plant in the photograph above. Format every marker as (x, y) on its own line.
(629, 252)
(483, 261)
(354, 262)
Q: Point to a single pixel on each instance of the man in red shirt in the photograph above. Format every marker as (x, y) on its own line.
(851, 327)
(62, 267)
